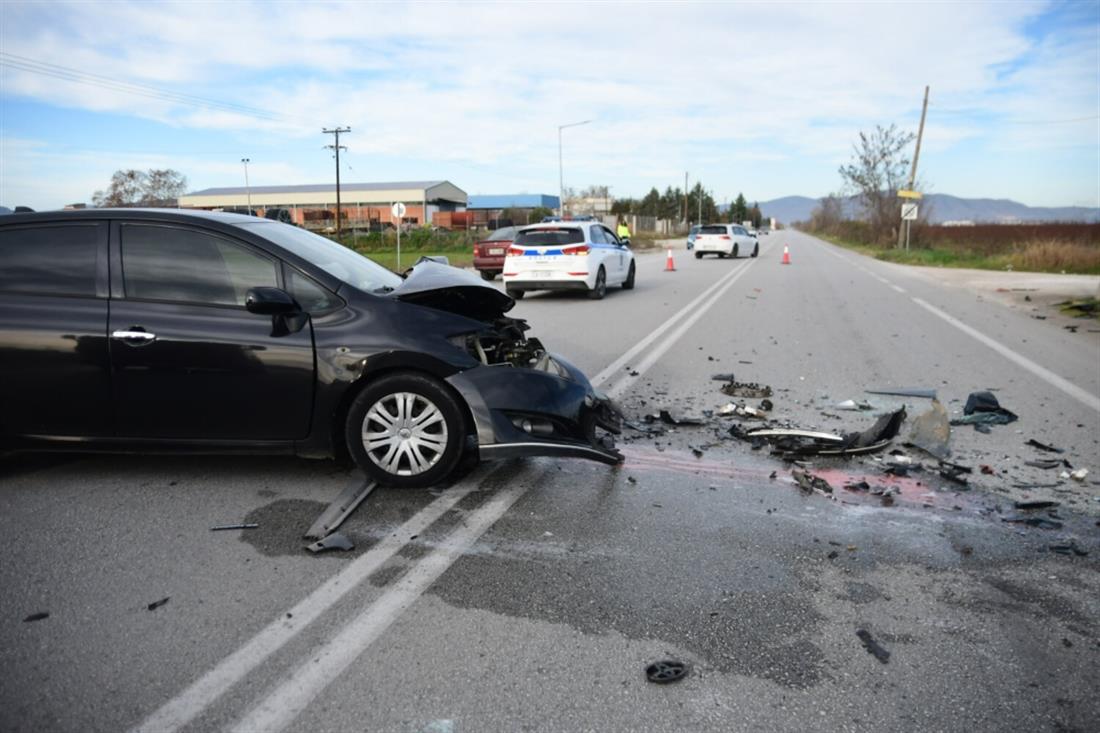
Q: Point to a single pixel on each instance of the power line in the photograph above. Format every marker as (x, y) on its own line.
(22, 63)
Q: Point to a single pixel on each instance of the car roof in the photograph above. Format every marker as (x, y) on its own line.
(191, 215)
(557, 225)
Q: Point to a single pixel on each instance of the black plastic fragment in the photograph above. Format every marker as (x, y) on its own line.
(222, 527)
(1036, 504)
(872, 646)
(157, 604)
(665, 671)
(1043, 446)
(1040, 522)
(1044, 463)
(1068, 548)
(36, 616)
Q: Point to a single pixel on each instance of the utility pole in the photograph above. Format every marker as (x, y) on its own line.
(916, 156)
(336, 147)
(247, 188)
(561, 169)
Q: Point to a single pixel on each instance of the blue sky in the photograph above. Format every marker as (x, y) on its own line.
(764, 99)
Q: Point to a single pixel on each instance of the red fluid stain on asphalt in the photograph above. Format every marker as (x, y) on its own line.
(907, 490)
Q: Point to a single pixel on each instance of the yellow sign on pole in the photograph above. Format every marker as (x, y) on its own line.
(909, 194)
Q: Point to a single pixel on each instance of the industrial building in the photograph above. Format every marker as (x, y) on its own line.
(361, 204)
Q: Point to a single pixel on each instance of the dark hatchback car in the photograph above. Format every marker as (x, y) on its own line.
(162, 330)
(490, 252)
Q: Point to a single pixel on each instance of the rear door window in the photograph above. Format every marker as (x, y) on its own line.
(597, 236)
(713, 229)
(550, 237)
(185, 265)
(49, 260)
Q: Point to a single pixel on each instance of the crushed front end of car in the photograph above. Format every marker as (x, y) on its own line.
(524, 400)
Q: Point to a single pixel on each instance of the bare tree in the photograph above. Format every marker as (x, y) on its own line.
(128, 188)
(827, 214)
(876, 172)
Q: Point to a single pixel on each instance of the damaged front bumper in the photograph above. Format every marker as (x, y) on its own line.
(549, 409)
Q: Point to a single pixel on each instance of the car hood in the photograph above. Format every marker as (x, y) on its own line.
(450, 289)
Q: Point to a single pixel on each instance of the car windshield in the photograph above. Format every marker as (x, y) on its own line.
(335, 259)
(714, 229)
(502, 235)
(538, 237)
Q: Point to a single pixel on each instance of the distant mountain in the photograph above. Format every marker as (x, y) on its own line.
(940, 207)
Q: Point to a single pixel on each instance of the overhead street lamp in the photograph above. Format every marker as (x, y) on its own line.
(561, 174)
(247, 188)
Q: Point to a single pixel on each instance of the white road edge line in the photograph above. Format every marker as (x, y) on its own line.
(199, 695)
(619, 363)
(296, 691)
(1080, 394)
(287, 701)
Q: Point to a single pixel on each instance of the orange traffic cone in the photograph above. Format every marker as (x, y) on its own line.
(786, 255)
(669, 267)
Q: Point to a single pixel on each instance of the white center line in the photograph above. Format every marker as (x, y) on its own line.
(203, 692)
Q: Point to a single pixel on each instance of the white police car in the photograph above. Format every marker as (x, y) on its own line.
(567, 255)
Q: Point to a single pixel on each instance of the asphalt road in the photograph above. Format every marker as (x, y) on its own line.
(531, 595)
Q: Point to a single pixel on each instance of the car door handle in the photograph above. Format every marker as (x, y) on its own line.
(135, 338)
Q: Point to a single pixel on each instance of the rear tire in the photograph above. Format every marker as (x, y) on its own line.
(736, 250)
(756, 250)
(515, 294)
(628, 284)
(698, 255)
(488, 275)
(406, 430)
(600, 289)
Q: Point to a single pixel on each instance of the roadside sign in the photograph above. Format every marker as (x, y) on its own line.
(398, 209)
(909, 211)
(909, 194)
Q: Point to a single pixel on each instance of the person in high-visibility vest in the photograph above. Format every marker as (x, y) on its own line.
(624, 230)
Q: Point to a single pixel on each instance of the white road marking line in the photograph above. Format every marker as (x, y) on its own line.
(283, 708)
(1080, 394)
(287, 701)
(203, 692)
(658, 351)
(617, 365)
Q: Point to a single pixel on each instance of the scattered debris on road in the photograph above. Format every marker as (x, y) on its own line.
(334, 541)
(733, 388)
(36, 617)
(1069, 547)
(668, 419)
(1036, 504)
(873, 647)
(931, 432)
(905, 392)
(1043, 446)
(982, 408)
(222, 527)
(157, 604)
(665, 671)
(810, 483)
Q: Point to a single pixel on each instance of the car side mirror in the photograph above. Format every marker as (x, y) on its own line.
(270, 302)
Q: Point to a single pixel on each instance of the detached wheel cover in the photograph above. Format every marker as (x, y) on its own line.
(404, 434)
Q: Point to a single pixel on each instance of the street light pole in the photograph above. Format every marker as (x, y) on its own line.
(561, 170)
(247, 188)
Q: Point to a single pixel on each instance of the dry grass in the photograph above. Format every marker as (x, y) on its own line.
(1056, 256)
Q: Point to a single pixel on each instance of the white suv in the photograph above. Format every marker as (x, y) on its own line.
(725, 239)
(567, 255)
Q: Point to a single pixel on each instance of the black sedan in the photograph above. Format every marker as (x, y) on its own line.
(163, 330)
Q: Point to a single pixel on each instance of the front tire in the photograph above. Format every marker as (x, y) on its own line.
(736, 250)
(698, 255)
(514, 294)
(406, 430)
(628, 284)
(600, 289)
(756, 250)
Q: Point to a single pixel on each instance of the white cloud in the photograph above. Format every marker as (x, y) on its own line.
(708, 87)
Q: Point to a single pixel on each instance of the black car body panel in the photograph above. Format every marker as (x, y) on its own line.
(96, 367)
